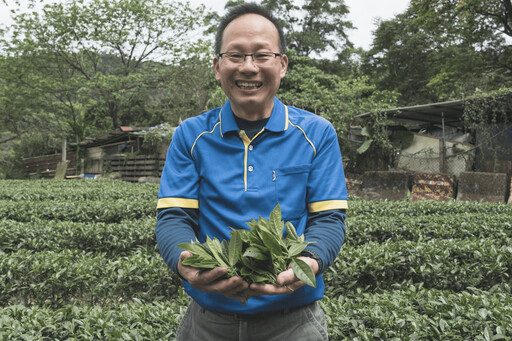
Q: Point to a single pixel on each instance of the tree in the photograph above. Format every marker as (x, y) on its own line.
(314, 27)
(86, 66)
(440, 50)
(336, 98)
(105, 47)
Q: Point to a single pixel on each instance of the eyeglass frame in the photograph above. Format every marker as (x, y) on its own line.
(220, 55)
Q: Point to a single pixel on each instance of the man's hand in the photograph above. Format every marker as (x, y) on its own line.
(210, 280)
(287, 282)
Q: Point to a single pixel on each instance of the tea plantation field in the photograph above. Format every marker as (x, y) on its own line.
(78, 262)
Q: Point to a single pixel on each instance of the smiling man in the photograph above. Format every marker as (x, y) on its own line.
(251, 84)
(238, 162)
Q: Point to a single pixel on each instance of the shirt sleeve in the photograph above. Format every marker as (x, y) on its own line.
(174, 226)
(327, 200)
(327, 189)
(179, 182)
(327, 230)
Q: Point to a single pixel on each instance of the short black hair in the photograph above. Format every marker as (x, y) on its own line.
(248, 8)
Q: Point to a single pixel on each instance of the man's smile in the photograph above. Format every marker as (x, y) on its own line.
(248, 85)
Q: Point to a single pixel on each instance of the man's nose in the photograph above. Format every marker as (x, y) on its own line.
(248, 64)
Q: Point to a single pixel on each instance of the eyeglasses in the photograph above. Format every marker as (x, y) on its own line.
(259, 58)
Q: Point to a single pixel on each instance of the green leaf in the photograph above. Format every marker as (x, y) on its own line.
(303, 272)
(296, 248)
(275, 246)
(290, 231)
(216, 250)
(365, 146)
(254, 252)
(252, 224)
(235, 248)
(196, 248)
(258, 278)
(252, 264)
(275, 223)
(487, 334)
(197, 262)
(188, 247)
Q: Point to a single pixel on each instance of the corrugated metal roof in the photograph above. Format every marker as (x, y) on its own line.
(427, 114)
(111, 136)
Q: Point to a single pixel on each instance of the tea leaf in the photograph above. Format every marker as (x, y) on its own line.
(196, 248)
(254, 252)
(275, 223)
(303, 272)
(296, 248)
(216, 250)
(290, 231)
(234, 248)
(273, 245)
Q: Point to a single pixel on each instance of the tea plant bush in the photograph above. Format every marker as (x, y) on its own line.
(78, 261)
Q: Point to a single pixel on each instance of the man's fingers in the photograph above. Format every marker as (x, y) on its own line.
(209, 276)
(286, 277)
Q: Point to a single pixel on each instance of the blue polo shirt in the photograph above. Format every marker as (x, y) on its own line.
(213, 166)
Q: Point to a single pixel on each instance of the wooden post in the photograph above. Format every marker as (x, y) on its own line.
(64, 149)
(442, 155)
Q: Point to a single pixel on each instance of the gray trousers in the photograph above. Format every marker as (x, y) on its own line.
(306, 323)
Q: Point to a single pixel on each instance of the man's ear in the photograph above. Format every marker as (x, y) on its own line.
(216, 68)
(284, 65)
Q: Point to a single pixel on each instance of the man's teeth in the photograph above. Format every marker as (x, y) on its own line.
(245, 85)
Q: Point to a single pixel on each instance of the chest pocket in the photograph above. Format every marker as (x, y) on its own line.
(291, 190)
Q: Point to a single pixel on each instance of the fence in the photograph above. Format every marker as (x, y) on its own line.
(429, 161)
(45, 166)
(133, 167)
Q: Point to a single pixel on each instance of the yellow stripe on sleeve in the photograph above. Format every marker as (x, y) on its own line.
(328, 205)
(177, 202)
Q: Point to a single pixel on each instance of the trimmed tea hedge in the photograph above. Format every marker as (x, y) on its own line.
(113, 239)
(78, 260)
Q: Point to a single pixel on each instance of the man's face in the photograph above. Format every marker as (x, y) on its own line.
(250, 88)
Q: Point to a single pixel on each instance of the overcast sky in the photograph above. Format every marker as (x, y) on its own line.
(363, 14)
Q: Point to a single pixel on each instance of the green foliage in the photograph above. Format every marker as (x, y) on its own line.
(123, 321)
(112, 239)
(80, 68)
(490, 116)
(56, 278)
(488, 109)
(441, 50)
(421, 270)
(257, 255)
(415, 313)
(336, 98)
(157, 137)
(313, 27)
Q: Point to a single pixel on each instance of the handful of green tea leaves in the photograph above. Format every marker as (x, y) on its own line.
(257, 255)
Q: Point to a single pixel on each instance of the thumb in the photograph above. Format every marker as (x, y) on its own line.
(185, 254)
(286, 277)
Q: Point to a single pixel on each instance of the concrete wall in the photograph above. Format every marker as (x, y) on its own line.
(488, 187)
(398, 185)
(424, 155)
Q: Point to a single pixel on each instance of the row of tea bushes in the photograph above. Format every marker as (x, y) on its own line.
(56, 277)
(135, 321)
(78, 261)
(407, 314)
(107, 211)
(76, 190)
(366, 228)
(113, 239)
(416, 313)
